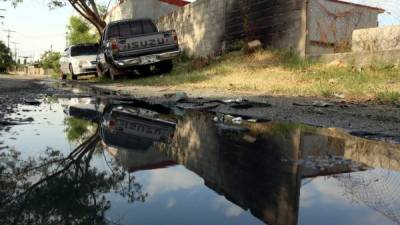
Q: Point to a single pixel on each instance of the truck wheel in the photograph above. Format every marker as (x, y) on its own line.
(144, 70)
(71, 70)
(99, 71)
(165, 66)
(63, 76)
(113, 72)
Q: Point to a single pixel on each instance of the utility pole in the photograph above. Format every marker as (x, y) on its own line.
(15, 50)
(8, 36)
(66, 39)
(1, 16)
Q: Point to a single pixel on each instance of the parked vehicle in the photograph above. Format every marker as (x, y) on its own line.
(79, 60)
(136, 44)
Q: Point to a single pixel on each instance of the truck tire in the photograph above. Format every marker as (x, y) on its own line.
(113, 72)
(99, 71)
(165, 66)
(63, 76)
(144, 70)
(71, 70)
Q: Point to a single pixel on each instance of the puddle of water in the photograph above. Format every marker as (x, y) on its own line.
(188, 167)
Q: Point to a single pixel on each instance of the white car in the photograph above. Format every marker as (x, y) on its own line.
(79, 60)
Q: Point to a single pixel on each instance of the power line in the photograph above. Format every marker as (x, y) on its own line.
(9, 36)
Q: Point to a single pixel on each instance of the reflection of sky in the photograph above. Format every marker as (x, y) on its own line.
(178, 196)
(322, 201)
(47, 130)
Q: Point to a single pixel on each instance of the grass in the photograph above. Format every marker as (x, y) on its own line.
(388, 97)
(277, 72)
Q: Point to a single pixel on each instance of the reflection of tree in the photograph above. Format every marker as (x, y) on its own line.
(60, 190)
(377, 189)
(78, 129)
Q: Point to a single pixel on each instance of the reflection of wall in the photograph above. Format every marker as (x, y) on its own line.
(250, 175)
(246, 166)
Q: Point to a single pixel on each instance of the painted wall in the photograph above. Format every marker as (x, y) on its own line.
(376, 39)
(331, 25)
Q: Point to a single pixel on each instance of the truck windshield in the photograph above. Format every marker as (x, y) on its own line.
(84, 50)
(131, 28)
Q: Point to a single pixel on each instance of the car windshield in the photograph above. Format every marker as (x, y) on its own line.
(84, 50)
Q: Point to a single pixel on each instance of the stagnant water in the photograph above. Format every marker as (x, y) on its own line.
(138, 164)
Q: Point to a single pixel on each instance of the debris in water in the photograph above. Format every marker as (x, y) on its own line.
(32, 102)
(237, 120)
(250, 139)
(237, 100)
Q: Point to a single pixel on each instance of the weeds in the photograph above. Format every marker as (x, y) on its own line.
(388, 97)
(280, 72)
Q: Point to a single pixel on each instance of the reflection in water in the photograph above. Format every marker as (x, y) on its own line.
(54, 189)
(78, 130)
(379, 189)
(273, 171)
(260, 166)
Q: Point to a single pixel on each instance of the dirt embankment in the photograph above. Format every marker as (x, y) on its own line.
(367, 119)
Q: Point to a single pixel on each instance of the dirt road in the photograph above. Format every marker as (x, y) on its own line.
(16, 90)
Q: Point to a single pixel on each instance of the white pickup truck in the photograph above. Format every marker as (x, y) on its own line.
(79, 60)
(136, 44)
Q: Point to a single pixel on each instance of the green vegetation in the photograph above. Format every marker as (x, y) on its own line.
(389, 97)
(277, 72)
(79, 31)
(78, 130)
(51, 60)
(5, 57)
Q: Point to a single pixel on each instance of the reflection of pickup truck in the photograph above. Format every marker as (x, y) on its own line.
(136, 45)
(136, 128)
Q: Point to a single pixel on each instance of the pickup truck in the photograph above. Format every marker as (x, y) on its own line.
(136, 44)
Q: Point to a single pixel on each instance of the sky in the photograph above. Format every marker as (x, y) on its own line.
(39, 29)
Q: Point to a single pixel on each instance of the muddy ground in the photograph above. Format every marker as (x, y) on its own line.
(362, 119)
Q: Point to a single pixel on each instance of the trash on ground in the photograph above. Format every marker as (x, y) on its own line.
(177, 97)
(322, 104)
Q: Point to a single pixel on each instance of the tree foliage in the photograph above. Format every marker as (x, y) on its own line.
(5, 57)
(79, 31)
(50, 60)
(91, 10)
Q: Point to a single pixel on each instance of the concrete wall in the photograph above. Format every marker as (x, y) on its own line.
(363, 59)
(200, 26)
(376, 39)
(31, 71)
(140, 9)
(331, 25)
(206, 27)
